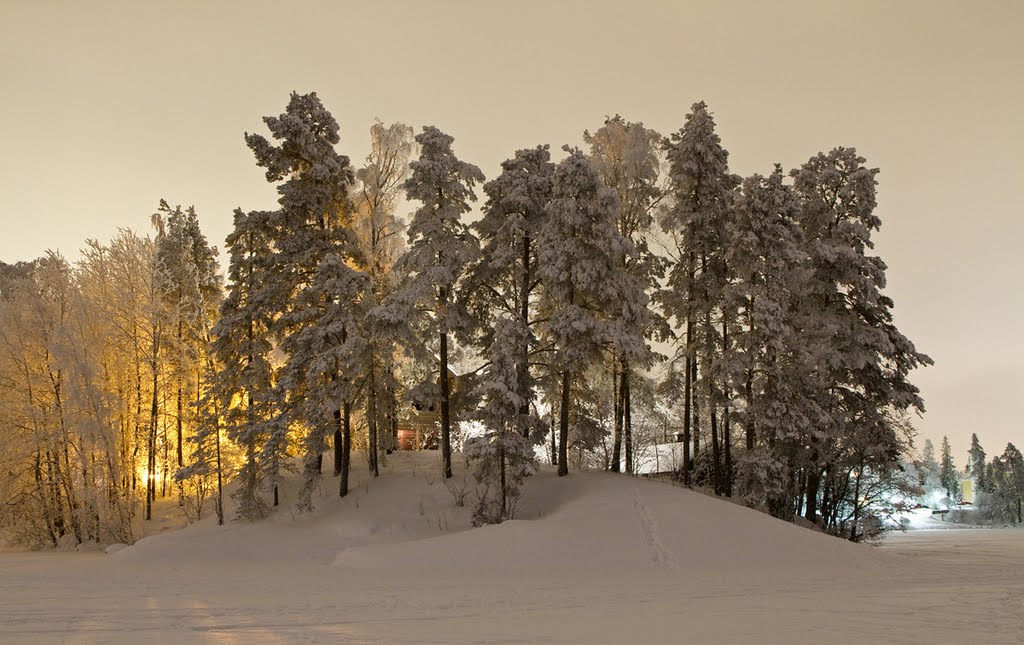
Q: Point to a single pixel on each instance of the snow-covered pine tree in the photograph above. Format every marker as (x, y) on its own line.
(313, 244)
(766, 362)
(590, 302)
(241, 348)
(440, 249)
(948, 475)
(327, 361)
(502, 457)
(862, 361)
(976, 464)
(626, 158)
(1006, 501)
(929, 473)
(503, 282)
(702, 195)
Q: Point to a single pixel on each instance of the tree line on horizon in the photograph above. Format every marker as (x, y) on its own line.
(998, 484)
(136, 372)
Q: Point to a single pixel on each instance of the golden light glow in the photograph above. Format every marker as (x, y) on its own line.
(143, 475)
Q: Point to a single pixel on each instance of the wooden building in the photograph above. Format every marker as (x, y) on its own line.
(419, 424)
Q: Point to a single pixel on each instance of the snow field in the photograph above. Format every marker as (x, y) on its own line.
(593, 558)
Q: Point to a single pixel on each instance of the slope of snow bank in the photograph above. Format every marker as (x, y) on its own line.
(406, 522)
(613, 524)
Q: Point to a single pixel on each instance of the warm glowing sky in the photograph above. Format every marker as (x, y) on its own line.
(107, 107)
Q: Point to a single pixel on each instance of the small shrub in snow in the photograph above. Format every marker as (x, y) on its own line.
(459, 488)
(499, 462)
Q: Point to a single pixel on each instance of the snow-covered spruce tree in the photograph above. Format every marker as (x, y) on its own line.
(502, 457)
(626, 158)
(503, 282)
(702, 195)
(590, 303)
(862, 361)
(976, 464)
(312, 240)
(948, 475)
(929, 473)
(1007, 498)
(188, 281)
(766, 362)
(378, 231)
(242, 389)
(206, 458)
(440, 249)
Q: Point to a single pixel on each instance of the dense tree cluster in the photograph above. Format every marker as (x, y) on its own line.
(993, 489)
(132, 374)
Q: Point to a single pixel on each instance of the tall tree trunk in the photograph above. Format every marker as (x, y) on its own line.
(716, 456)
(393, 407)
(627, 419)
(446, 437)
(53, 481)
(695, 425)
(826, 486)
(727, 445)
(177, 378)
(523, 369)
(749, 387)
(856, 503)
(167, 448)
(346, 447)
(617, 413)
(151, 446)
(337, 443)
(181, 460)
(749, 427)
(688, 379)
(137, 439)
(501, 463)
(372, 426)
(44, 498)
(726, 430)
(153, 420)
(66, 479)
(220, 483)
(811, 501)
(563, 426)
(798, 484)
(687, 406)
(554, 442)
(250, 470)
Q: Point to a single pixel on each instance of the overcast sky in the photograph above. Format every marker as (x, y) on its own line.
(108, 107)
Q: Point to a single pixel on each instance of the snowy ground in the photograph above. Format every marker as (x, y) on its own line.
(595, 558)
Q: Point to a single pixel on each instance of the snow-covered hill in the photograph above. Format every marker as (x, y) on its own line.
(592, 558)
